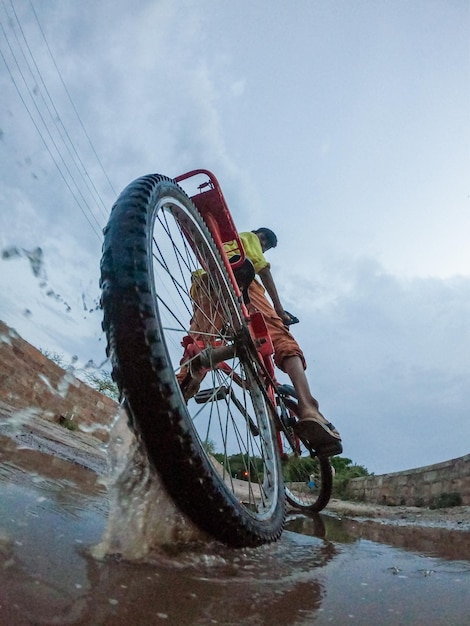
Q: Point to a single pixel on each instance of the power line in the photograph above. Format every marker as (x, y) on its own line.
(71, 101)
(57, 120)
(15, 83)
(54, 146)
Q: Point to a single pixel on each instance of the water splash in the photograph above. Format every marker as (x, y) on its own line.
(38, 268)
(16, 420)
(35, 258)
(142, 517)
(5, 338)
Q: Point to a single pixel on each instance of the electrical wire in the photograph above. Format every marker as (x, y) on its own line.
(71, 100)
(57, 120)
(46, 145)
(47, 120)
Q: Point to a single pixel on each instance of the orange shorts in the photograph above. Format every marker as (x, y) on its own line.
(284, 343)
(208, 319)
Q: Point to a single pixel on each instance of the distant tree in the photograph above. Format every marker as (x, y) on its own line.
(102, 381)
(55, 357)
(343, 465)
(345, 470)
(244, 466)
(218, 456)
(209, 447)
(298, 469)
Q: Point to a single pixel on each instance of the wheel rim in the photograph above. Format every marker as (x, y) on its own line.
(228, 414)
(307, 480)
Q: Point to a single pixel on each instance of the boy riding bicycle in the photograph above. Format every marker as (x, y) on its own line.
(288, 356)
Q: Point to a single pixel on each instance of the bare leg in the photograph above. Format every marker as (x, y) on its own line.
(312, 425)
(308, 406)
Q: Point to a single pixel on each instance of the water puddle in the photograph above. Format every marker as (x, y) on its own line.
(54, 512)
(50, 510)
(429, 541)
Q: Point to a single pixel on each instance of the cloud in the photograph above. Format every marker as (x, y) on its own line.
(238, 87)
(165, 87)
(388, 358)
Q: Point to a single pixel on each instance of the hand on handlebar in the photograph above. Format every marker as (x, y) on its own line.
(289, 319)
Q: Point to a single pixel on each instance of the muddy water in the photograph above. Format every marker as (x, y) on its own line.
(324, 569)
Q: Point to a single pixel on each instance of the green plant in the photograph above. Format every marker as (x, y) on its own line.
(55, 357)
(345, 470)
(68, 422)
(209, 447)
(298, 469)
(445, 500)
(102, 381)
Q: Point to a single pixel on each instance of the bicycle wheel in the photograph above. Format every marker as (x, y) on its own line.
(215, 450)
(308, 479)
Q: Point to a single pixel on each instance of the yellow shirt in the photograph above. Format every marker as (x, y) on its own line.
(253, 250)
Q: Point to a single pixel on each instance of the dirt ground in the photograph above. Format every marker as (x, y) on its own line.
(452, 518)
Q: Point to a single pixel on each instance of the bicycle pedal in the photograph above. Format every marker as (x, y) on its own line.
(207, 395)
(287, 390)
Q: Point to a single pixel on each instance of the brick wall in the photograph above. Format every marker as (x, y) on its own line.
(433, 485)
(30, 380)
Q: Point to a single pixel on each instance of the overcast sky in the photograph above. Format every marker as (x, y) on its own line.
(342, 125)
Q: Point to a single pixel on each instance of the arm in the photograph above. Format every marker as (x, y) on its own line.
(270, 286)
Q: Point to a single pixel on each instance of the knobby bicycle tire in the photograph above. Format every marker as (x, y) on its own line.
(151, 222)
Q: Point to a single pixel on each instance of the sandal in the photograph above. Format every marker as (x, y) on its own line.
(324, 437)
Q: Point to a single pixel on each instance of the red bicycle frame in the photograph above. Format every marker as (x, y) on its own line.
(211, 204)
(213, 208)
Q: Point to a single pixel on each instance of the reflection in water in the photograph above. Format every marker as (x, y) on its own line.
(49, 509)
(53, 513)
(275, 584)
(49, 577)
(448, 544)
(312, 524)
